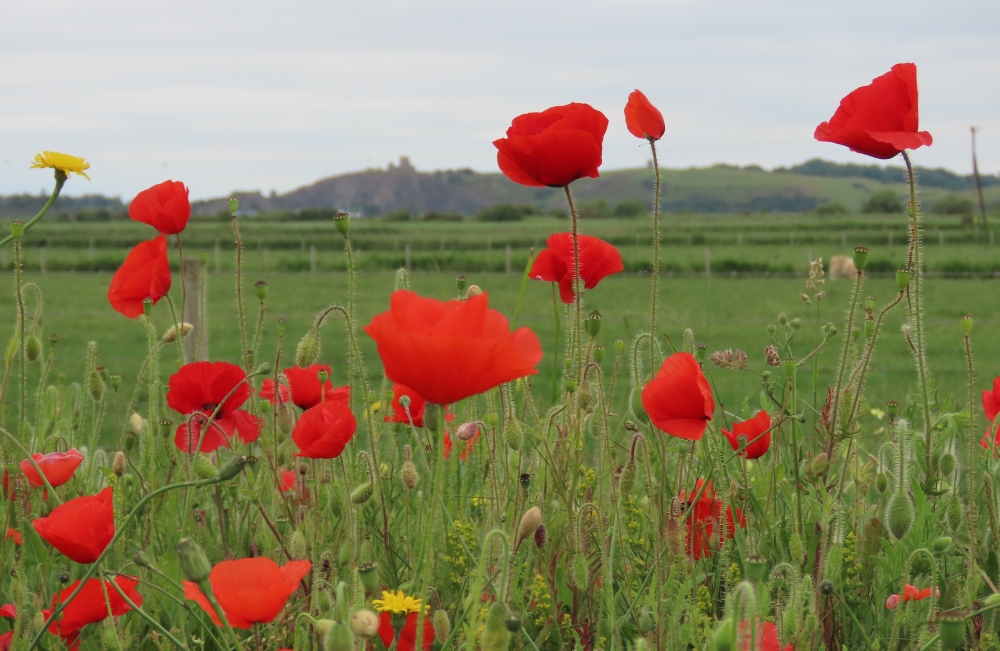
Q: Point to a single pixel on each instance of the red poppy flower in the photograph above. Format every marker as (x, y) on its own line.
(80, 528)
(991, 401)
(323, 431)
(679, 400)
(416, 406)
(450, 350)
(8, 610)
(164, 206)
(57, 466)
(758, 433)
(554, 263)
(5, 640)
(306, 391)
(407, 636)
(15, 535)
(144, 274)
(910, 593)
(287, 480)
(196, 390)
(880, 119)
(767, 638)
(642, 118)
(553, 148)
(250, 590)
(704, 518)
(89, 606)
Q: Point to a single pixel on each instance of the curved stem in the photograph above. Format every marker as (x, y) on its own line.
(146, 616)
(60, 180)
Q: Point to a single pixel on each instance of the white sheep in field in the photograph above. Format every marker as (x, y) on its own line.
(842, 266)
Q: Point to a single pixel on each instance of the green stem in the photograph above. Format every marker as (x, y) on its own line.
(656, 255)
(152, 622)
(239, 294)
(178, 325)
(22, 398)
(577, 289)
(60, 180)
(849, 323)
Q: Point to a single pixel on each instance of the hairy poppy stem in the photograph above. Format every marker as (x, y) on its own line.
(142, 613)
(577, 290)
(656, 255)
(180, 255)
(22, 397)
(239, 293)
(971, 512)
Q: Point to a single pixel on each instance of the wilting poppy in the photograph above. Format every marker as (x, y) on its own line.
(450, 350)
(758, 433)
(553, 148)
(80, 528)
(323, 431)
(880, 119)
(58, 467)
(395, 605)
(144, 274)
(196, 390)
(702, 534)
(15, 535)
(249, 590)
(642, 118)
(165, 207)
(555, 263)
(89, 606)
(304, 383)
(767, 638)
(416, 407)
(679, 400)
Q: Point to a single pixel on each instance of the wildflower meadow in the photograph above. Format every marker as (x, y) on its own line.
(448, 502)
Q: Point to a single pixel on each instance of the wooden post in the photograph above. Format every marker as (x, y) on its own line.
(192, 282)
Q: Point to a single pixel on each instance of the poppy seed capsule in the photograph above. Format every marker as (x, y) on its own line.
(860, 258)
(530, 522)
(461, 282)
(32, 348)
(192, 560)
(951, 628)
(17, 229)
(364, 624)
(902, 279)
(260, 287)
(598, 354)
(234, 206)
(409, 475)
(593, 324)
(966, 323)
(115, 381)
(118, 465)
(442, 625)
(513, 622)
(342, 222)
(307, 352)
(513, 434)
(467, 430)
(892, 409)
(869, 303)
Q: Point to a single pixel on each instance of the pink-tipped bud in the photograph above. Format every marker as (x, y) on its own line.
(467, 430)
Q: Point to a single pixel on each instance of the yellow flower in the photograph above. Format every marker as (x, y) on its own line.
(62, 162)
(397, 603)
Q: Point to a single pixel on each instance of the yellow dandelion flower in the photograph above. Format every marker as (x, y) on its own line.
(397, 603)
(62, 162)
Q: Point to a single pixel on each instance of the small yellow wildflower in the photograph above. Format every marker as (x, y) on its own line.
(397, 603)
(62, 162)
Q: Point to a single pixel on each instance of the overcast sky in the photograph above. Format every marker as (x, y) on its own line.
(273, 95)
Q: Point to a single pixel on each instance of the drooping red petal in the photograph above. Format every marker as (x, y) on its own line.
(679, 399)
(144, 274)
(556, 263)
(757, 431)
(323, 431)
(80, 528)
(642, 119)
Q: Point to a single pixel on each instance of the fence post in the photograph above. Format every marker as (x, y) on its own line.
(708, 262)
(312, 258)
(508, 258)
(407, 257)
(192, 280)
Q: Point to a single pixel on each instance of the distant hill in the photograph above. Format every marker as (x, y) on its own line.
(716, 189)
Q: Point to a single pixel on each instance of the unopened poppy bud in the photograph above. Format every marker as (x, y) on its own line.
(204, 468)
(796, 548)
(598, 354)
(339, 638)
(899, 514)
(442, 625)
(782, 318)
(646, 622)
(638, 409)
(530, 522)
(902, 279)
(307, 352)
(115, 381)
(473, 290)
(368, 573)
(860, 258)
(593, 324)
(260, 287)
(118, 465)
(881, 482)
(17, 229)
(39, 621)
(619, 346)
(135, 423)
(496, 636)
(467, 430)
(966, 323)
(433, 417)
(525, 480)
(892, 409)
(362, 493)
(462, 282)
(337, 500)
(541, 534)
(946, 464)
(492, 419)
(513, 434)
(951, 628)
(297, 547)
(724, 636)
(192, 560)
(32, 348)
(142, 560)
(869, 327)
(285, 417)
(627, 479)
(701, 353)
(322, 626)
(234, 206)
(409, 475)
(342, 222)
(147, 306)
(364, 624)
(640, 644)
(581, 573)
(941, 544)
(95, 385)
(170, 335)
(954, 513)
(233, 467)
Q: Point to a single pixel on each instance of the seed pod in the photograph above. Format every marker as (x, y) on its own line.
(947, 464)
(362, 493)
(118, 465)
(285, 417)
(442, 625)
(951, 627)
(619, 346)
(307, 352)
(593, 324)
(260, 287)
(598, 354)
(298, 545)
(881, 482)
(941, 544)
(581, 573)
(95, 385)
(796, 549)
(364, 624)
(233, 467)
(192, 560)
(627, 479)
(496, 637)
(513, 622)
(368, 572)
(32, 348)
(409, 475)
(513, 434)
(204, 468)
(900, 515)
(860, 258)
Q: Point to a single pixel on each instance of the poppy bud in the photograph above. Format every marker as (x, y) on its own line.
(941, 544)
(819, 464)
(467, 430)
(339, 638)
(869, 327)
(796, 549)
(724, 636)
(675, 538)
(409, 475)
(232, 467)
(474, 290)
(462, 282)
(638, 410)
(433, 417)
(442, 625)
(593, 324)
(307, 352)
(701, 353)
(541, 533)
(902, 279)
(362, 493)
(95, 385)
(192, 560)
(646, 622)
(298, 545)
(954, 514)
(530, 522)
(513, 434)
(285, 417)
(118, 465)
(869, 303)
(881, 482)
(892, 409)
(598, 354)
(584, 395)
(627, 479)
(966, 323)
(860, 258)
(946, 464)
(32, 348)
(142, 560)
(204, 468)
(619, 346)
(496, 636)
(342, 222)
(951, 628)
(260, 287)
(170, 335)
(17, 230)
(899, 514)
(364, 624)
(581, 573)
